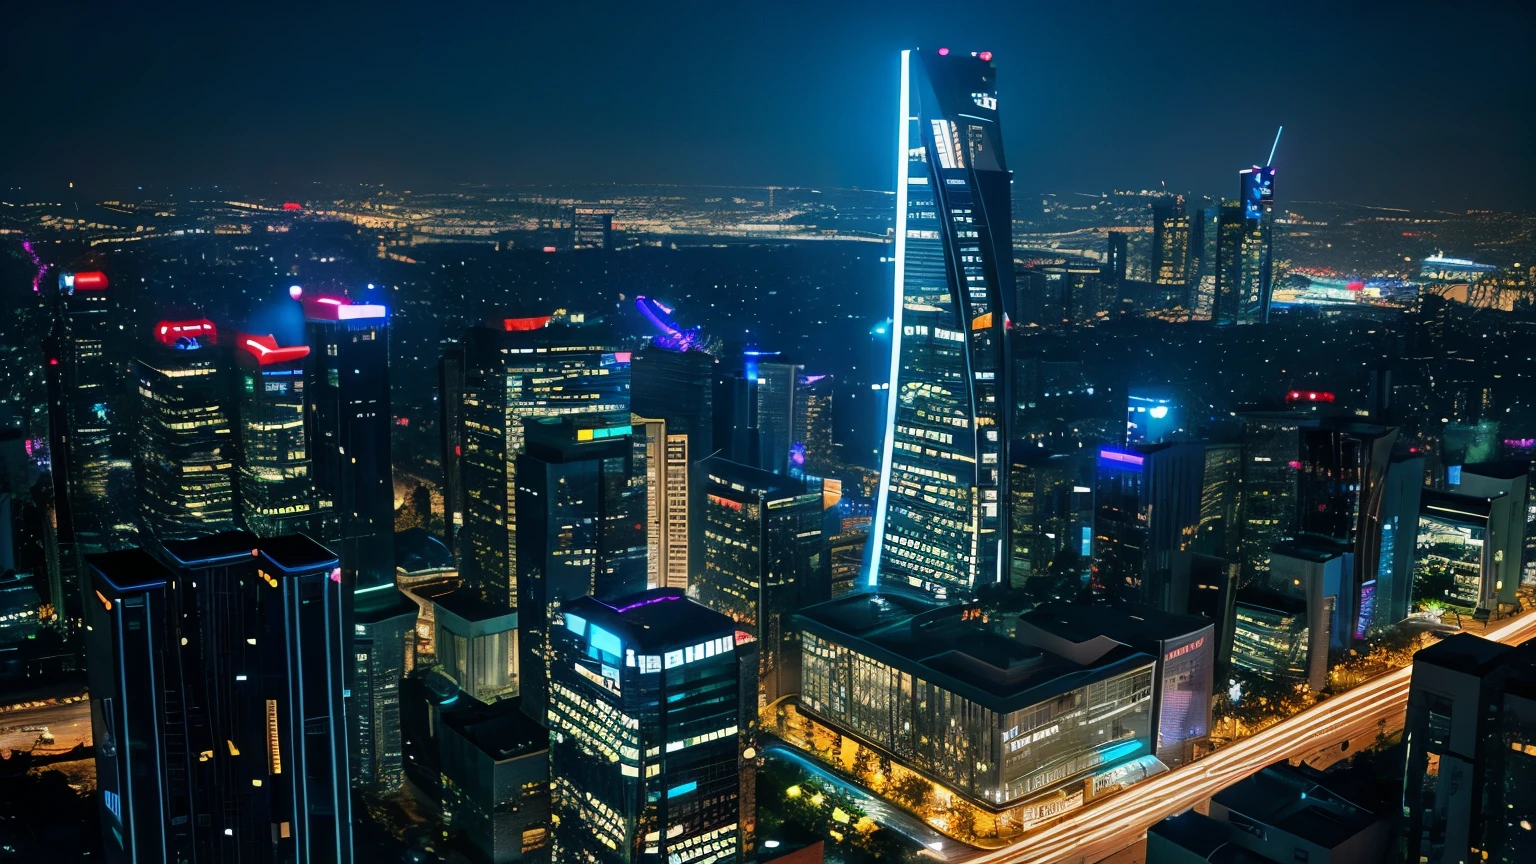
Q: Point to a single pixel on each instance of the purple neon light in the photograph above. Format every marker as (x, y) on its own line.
(42, 269)
(648, 602)
(1117, 456)
(672, 337)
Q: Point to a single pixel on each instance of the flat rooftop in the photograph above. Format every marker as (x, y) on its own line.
(1297, 805)
(126, 572)
(951, 646)
(1135, 625)
(500, 731)
(655, 621)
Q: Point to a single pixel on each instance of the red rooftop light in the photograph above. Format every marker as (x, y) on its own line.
(1309, 396)
(170, 331)
(986, 56)
(292, 205)
(515, 325)
(266, 351)
(94, 280)
(943, 52)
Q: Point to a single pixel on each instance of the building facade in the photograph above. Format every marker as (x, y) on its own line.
(646, 719)
(941, 522)
(216, 703)
(277, 485)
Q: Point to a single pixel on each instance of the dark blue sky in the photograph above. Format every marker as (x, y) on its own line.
(1403, 104)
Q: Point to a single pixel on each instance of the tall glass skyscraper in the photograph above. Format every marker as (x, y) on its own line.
(942, 522)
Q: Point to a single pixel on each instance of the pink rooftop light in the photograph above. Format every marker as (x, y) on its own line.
(943, 52)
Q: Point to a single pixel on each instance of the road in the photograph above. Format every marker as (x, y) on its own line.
(884, 813)
(1092, 833)
(69, 723)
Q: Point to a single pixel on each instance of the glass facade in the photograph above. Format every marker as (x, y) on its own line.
(941, 522)
(186, 449)
(645, 718)
(277, 494)
(522, 368)
(1270, 635)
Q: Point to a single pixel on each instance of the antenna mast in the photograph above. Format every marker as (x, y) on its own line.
(1274, 148)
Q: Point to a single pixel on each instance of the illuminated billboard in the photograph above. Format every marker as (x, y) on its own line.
(1258, 191)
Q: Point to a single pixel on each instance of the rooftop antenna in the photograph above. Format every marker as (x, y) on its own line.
(1275, 147)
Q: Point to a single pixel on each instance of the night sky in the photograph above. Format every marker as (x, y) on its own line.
(1404, 104)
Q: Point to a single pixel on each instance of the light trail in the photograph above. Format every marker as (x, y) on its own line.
(1094, 832)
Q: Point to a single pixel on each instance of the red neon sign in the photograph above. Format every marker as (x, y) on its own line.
(170, 331)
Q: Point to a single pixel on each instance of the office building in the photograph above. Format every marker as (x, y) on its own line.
(580, 505)
(647, 714)
(941, 523)
(1255, 259)
(810, 448)
(673, 383)
(476, 644)
(83, 392)
(1184, 647)
(1271, 442)
(383, 652)
(1271, 638)
(495, 782)
(762, 540)
(1231, 237)
(591, 228)
(845, 559)
(1152, 416)
(1171, 251)
(1052, 516)
(1146, 509)
(1469, 793)
(348, 396)
(220, 737)
(272, 460)
(1389, 600)
(1320, 570)
(515, 369)
(777, 386)
(1210, 584)
(1221, 524)
(1014, 731)
(1461, 555)
(186, 448)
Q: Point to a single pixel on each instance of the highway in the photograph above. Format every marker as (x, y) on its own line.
(68, 722)
(1092, 833)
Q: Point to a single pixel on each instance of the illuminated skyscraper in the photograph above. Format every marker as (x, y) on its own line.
(648, 704)
(673, 383)
(810, 448)
(592, 228)
(762, 542)
(1147, 510)
(348, 395)
(216, 704)
(1257, 247)
(1231, 232)
(277, 491)
(186, 453)
(581, 531)
(776, 421)
(84, 410)
(517, 368)
(450, 425)
(1170, 250)
(941, 522)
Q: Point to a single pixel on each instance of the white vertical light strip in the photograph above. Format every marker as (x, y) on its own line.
(877, 537)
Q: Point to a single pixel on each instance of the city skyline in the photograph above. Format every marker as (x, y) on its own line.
(1134, 99)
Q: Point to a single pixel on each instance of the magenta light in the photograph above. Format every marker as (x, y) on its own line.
(295, 291)
(986, 56)
(1117, 456)
(943, 52)
(650, 602)
(42, 269)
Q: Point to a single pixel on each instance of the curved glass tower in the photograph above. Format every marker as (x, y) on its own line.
(942, 520)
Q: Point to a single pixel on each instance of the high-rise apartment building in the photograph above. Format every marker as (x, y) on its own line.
(762, 541)
(216, 701)
(515, 369)
(941, 522)
(810, 446)
(648, 705)
(382, 652)
(277, 485)
(186, 448)
(1171, 251)
(581, 504)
